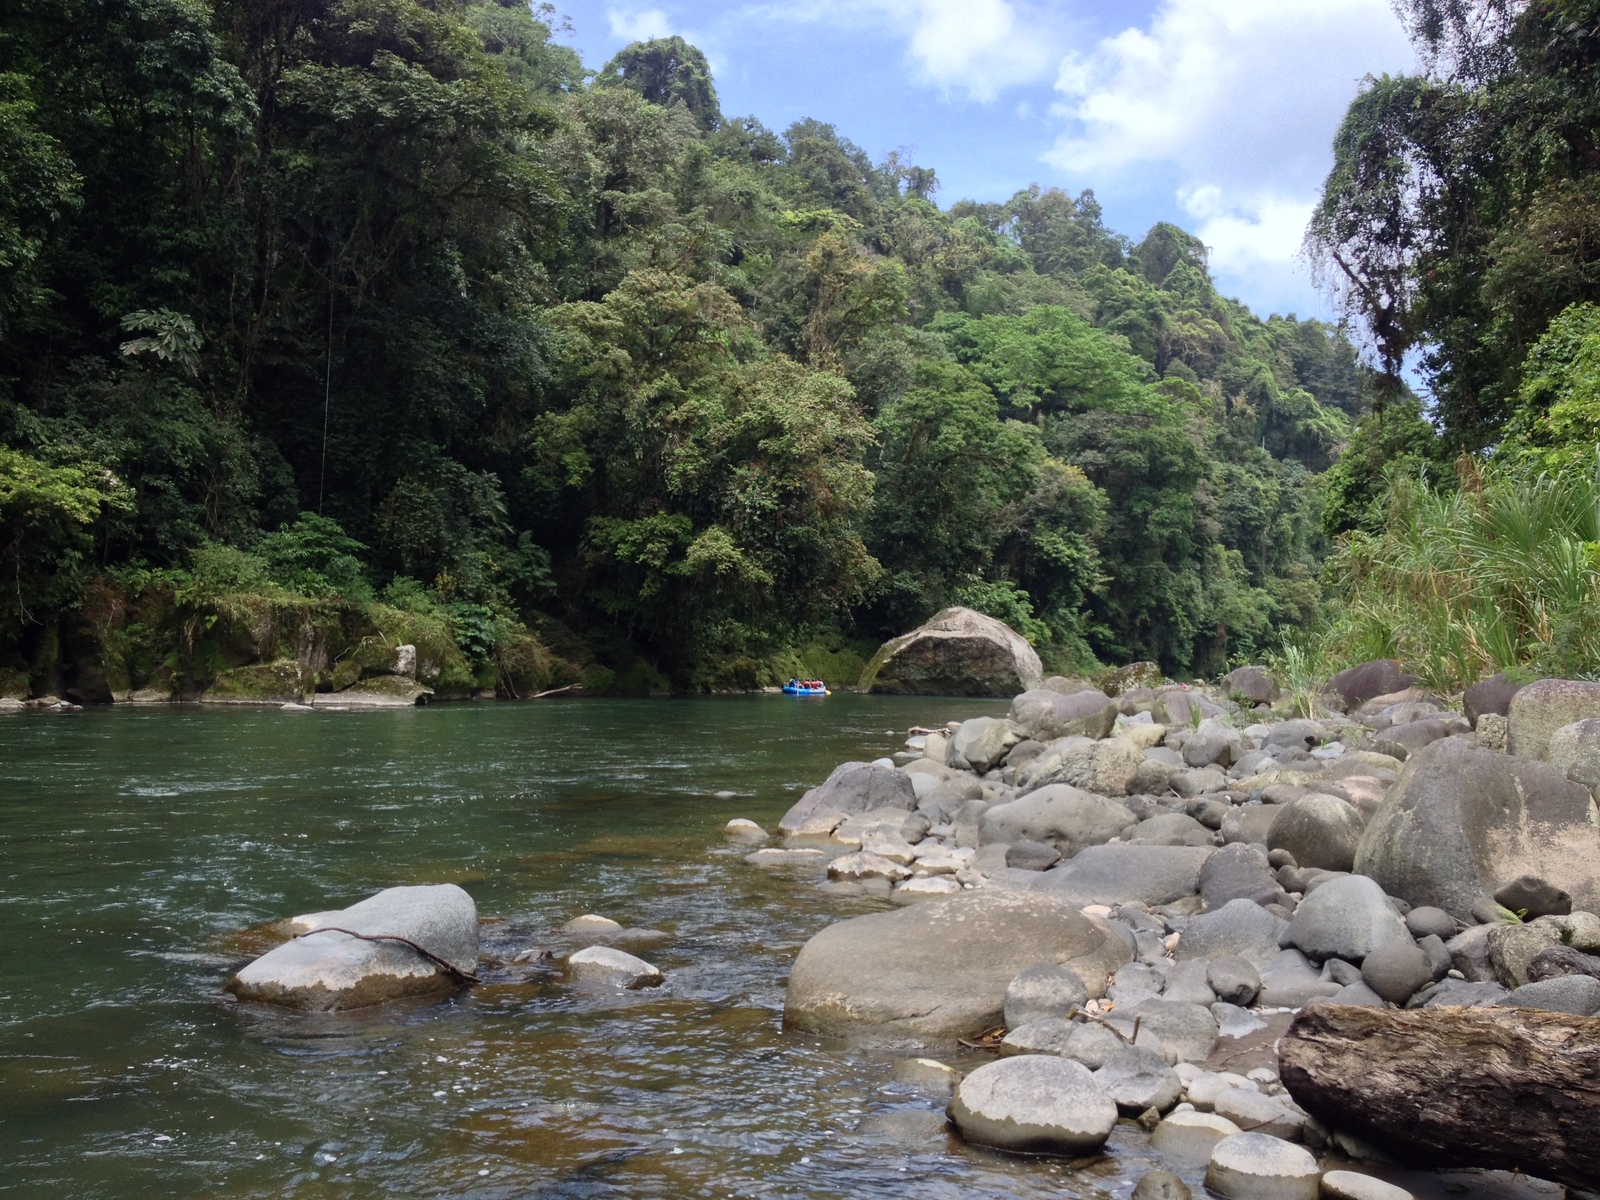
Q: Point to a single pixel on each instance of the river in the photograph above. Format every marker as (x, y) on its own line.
(136, 843)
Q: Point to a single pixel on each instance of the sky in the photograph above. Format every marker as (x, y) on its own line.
(1217, 115)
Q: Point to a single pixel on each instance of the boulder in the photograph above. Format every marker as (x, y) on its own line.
(1512, 948)
(1555, 961)
(608, 967)
(1234, 980)
(1120, 874)
(326, 971)
(1462, 821)
(1348, 917)
(1402, 741)
(1531, 897)
(1578, 995)
(1034, 1103)
(1237, 872)
(741, 829)
(1187, 1031)
(1189, 1137)
(1032, 856)
(1137, 1080)
(1300, 734)
(1240, 927)
(1188, 982)
(1356, 685)
(1169, 829)
(1194, 781)
(1068, 687)
(941, 967)
(980, 743)
(1397, 971)
(1319, 829)
(1047, 1035)
(1251, 685)
(1214, 742)
(381, 691)
(1057, 815)
(1258, 1166)
(1290, 981)
(1181, 708)
(1575, 752)
(1108, 768)
(1541, 708)
(1425, 921)
(1249, 1109)
(1347, 1185)
(1161, 1185)
(1043, 990)
(958, 652)
(1131, 677)
(854, 787)
(1250, 824)
(1046, 715)
(1492, 695)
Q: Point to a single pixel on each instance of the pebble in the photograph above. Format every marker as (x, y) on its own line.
(1254, 1166)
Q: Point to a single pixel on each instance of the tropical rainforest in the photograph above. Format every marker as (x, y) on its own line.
(395, 308)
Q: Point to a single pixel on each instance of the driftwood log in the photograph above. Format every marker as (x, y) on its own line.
(1505, 1088)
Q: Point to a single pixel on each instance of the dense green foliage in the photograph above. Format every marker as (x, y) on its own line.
(384, 299)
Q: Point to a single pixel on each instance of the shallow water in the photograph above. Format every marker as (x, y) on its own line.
(135, 844)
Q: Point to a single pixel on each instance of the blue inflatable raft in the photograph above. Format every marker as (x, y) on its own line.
(790, 689)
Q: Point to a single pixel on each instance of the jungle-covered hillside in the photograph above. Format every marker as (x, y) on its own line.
(397, 309)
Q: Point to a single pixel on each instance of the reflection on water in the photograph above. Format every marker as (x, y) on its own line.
(135, 846)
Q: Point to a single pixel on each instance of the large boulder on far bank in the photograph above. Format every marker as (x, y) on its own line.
(958, 652)
(1538, 710)
(1254, 684)
(327, 971)
(1044, 714)
(1358, 684)
(854, 787)
(1462, 822)
(1119, 874)
(941, 968)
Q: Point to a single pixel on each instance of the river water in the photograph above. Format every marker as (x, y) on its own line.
(136, 844)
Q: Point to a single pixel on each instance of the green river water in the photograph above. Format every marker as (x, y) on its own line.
(135, 844)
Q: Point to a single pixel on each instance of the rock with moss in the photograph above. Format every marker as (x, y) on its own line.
(282, 682)
(381, 691)
(958, 652)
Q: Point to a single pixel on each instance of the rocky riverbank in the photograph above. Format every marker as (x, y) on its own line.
(1128, 892)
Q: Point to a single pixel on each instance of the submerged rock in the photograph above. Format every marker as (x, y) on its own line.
(326, 971)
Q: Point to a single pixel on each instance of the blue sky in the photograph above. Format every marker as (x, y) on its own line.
(1215, 114)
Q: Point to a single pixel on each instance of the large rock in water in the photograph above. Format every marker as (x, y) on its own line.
(1462, 822)
(940, 968)
(329, 972)
(854, 787)
(958, 653)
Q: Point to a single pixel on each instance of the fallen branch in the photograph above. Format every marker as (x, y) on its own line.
(444, 964)
(571, 687)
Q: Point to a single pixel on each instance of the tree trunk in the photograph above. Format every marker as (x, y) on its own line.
(1502, 1088)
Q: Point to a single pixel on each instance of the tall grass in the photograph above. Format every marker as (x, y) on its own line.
(1502, 573)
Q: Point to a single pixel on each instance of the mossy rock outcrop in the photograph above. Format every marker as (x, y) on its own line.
(381, 691)
(282, 682)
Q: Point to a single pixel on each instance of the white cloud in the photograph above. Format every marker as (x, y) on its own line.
(638, 26)
(1233, 103)
(980, 47)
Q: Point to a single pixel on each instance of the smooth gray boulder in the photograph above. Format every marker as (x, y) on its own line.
(1531, 897)
(957, 652)
(1189, 982)
(1397, 971)
(1118, 874)
(1462, 821)
(1044, 715)
(979, 744)
(1031, 856)
(1258, 1166)
(1240, 927)
(1541, 708)
(853, 787)
(1169, 829)
(1368, 680)
(941, 967)
(1033, 1103)
(1058, 815)
(1575, 751)
(1492, 695)
(1047, 1035)
(1575, 994)
(1251, 685)
(1237, 872)
(1348, 917)
(1421, 922)
(1043, 990)
(1187, 1031)
(1137, 1080)
(326, 971)
(1319, 829)
(1290, 981)
(608, 967)
(1250, 824)
(1161, 1185)
(1234, 980)
(1300, 733)
(1402, 741)
(1214, 742)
